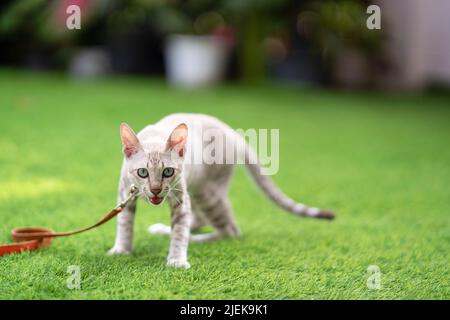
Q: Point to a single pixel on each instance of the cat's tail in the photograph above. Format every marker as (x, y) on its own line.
(276, 195)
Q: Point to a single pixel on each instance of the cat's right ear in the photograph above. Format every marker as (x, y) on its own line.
(130, 142)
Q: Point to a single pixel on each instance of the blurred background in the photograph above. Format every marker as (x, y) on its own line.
(364, 123)
(194, 43)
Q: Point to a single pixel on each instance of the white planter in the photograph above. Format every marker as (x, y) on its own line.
(195, 61)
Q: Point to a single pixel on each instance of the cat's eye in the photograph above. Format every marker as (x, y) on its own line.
(168, 172)
(142, 172)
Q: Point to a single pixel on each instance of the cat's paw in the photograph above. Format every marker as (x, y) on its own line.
(159, 229)
(178, 263)
(114, 251)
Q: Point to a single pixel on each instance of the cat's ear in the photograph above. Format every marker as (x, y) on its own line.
(130, 142)
(177, 139)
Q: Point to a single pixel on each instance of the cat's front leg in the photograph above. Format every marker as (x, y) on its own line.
(125, 223)
(180, 230)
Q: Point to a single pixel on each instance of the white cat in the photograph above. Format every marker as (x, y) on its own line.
(155, 162)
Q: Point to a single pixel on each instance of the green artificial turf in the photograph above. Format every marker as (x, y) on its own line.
(381, 161)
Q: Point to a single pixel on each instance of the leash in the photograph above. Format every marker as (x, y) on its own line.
(33, 238)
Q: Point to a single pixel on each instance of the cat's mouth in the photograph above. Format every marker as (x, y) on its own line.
(155, 200)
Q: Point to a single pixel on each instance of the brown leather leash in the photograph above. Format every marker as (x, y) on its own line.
(33, 238)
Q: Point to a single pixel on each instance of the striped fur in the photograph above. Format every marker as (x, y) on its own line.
(197, 193)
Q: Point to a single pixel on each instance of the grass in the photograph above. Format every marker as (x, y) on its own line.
(381, 161)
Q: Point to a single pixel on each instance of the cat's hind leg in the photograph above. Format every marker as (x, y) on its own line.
(198, 217)
(215, 206)
(220, 215)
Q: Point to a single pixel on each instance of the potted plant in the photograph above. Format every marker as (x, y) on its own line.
(337, 31)
(26, 19)
(48, 40)
(254, 20)
(197, 41)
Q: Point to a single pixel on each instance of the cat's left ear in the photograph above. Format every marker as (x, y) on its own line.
(177, 139)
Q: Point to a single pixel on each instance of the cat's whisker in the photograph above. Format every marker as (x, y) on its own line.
(177, 189)
(175, 197)
(176, 183)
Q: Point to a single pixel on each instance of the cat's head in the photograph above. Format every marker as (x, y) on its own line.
(154, 167)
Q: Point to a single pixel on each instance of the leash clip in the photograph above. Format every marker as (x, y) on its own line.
(133, 192)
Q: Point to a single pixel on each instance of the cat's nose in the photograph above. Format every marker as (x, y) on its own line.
(155, 191)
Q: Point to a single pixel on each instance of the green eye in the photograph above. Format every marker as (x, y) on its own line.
(142, 172)
(168, 172)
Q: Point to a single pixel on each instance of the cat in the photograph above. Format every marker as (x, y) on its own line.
(197, 193)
